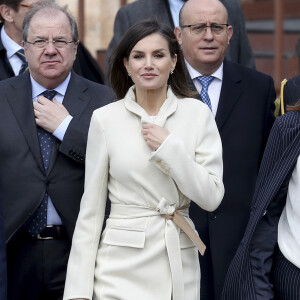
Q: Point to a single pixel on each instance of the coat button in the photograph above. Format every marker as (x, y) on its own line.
(213, 216)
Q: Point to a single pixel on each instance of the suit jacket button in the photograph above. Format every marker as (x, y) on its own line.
(213, 216)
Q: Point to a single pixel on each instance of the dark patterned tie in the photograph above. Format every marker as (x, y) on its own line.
(24, 66)
(39, 221)
(205, 82)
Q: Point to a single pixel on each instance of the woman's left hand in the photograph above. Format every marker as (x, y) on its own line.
(154, 135)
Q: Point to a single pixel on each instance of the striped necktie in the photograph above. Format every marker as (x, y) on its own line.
(22, 57)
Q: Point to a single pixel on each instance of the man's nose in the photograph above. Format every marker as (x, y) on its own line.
(208, 34)
(50, 47)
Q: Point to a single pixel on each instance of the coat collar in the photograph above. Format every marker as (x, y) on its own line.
(167, 109)
(230, 92)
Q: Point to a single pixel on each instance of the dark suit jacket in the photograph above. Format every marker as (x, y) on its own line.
(244, 119)
(249, 274)
(3, 277)
(84, 65)
(239, 50)
(23, 181)
(6, 70)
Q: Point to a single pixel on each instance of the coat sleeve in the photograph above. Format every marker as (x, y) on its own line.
(3, 279)
(200, 177)
(80, 272)
(264, 240)
(74, 142)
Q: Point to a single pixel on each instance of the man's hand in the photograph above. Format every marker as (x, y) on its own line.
(154, 135)
(49, 114)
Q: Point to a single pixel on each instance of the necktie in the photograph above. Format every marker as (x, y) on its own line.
(24, 66)
(39, 221)
(205, 82)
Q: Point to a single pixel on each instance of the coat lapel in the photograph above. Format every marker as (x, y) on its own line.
(20, 101)
(230, 93)
(76, 99)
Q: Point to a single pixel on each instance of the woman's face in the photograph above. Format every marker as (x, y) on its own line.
(150, 63)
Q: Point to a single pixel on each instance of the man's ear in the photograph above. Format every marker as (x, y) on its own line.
(6, 13)
(178, 34)
(230, 33)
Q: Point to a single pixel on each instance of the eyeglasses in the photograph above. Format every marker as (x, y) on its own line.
(200, 29)
(30, 6)
(56, 43)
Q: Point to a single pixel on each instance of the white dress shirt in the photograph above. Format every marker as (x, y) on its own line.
(11, 48)
(37, 89)
(214, 89)
(289, 223)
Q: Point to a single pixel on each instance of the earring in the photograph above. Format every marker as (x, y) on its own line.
(129, 74)
(172, 71)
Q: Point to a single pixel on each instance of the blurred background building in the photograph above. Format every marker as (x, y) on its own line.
(273, 27)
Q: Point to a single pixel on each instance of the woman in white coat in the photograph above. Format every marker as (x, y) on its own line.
(154, 150)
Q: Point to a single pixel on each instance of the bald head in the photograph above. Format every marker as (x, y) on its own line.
(204, 34)
(200, 6)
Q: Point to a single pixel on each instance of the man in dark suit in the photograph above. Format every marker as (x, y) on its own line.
(12, 13)
(239, 50)
(42, 149)
(3, 276)
(242, 101)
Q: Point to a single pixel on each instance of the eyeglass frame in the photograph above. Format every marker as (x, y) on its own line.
(30, 6)
(206, 26)
(53, 42)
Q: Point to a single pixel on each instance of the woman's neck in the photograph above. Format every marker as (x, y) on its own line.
(151, 100)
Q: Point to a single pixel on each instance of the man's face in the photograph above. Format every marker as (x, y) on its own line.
(204, 51)
(51, 64)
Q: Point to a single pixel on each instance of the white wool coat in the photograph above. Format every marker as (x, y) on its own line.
(140, 254)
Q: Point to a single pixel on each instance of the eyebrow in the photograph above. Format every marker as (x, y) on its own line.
(42, 37)
(157, 50)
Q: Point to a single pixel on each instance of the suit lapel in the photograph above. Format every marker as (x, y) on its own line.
(20, 101)
(76, 99)
(230, 93)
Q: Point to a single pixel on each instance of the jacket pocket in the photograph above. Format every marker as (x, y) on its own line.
(124, 237)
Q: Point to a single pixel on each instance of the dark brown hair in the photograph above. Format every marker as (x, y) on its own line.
(117, 74)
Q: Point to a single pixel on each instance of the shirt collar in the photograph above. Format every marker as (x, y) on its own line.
(194, 73)
(37, 89)
(9, 44)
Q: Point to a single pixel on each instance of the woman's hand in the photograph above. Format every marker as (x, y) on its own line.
(154, 135)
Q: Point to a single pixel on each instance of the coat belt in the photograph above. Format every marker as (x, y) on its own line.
(173, 215)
